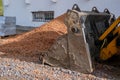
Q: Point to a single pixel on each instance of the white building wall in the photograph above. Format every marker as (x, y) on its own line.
(23, 14)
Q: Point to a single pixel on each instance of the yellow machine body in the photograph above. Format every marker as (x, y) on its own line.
(111, 49)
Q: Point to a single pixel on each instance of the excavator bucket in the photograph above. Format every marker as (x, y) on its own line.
(76, 49)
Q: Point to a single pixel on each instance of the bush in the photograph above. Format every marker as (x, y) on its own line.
(1, 8)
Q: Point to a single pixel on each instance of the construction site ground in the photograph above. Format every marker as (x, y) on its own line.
(19, 57)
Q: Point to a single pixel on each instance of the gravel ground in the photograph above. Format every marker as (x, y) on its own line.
(14, 69)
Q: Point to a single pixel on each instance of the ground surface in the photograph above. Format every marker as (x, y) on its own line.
(19, 57)
(14, 69)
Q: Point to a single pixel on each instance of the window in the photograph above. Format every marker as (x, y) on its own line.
(43, 16)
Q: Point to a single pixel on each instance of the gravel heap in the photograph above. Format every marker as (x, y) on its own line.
(19, 56)
(31, 43)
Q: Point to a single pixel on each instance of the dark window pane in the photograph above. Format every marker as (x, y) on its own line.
(43, 16)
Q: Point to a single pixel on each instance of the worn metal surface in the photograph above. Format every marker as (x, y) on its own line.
(80, 59)
(57, 55)
(75, 50)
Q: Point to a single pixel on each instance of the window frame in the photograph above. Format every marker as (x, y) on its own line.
(42, 16)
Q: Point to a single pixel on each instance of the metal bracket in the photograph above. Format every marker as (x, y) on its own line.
(94, 9)
(106, 11)
(76, 7)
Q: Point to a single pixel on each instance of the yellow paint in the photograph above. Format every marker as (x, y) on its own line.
(110, 29)
(116, 30)
(111, 49)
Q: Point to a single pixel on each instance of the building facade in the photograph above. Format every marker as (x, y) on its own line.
(36, 12)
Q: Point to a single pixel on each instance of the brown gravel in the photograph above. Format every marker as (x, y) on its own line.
(31, 43)
(19, 57)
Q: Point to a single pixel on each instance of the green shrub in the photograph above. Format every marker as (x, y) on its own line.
(1, 8)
